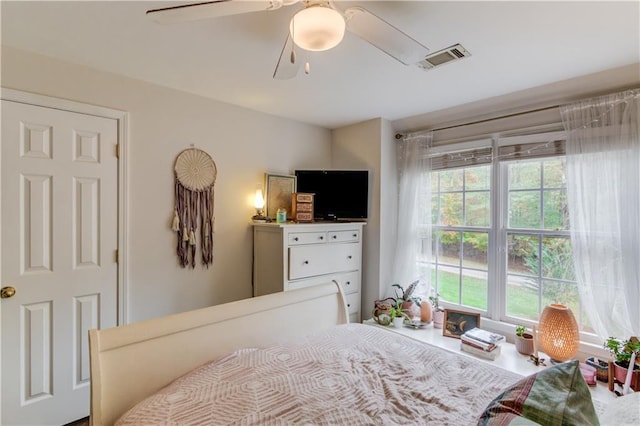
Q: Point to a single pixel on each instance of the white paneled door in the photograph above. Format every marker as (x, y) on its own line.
(59, 240)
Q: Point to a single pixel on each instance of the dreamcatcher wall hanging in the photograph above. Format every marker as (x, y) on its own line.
(195, 176)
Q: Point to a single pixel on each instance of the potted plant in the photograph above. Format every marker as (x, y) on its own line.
(398, 316)
(524, 340)
(438, 312)
(622, 351)
(409, 303)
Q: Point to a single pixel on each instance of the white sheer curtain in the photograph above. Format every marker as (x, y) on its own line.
(413, 240)
(603, 189)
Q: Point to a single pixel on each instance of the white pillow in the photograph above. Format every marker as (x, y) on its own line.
(622, 411)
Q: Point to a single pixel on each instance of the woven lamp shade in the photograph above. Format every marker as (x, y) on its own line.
(558, 335)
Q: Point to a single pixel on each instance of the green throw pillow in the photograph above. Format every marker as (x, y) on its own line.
(555, 396)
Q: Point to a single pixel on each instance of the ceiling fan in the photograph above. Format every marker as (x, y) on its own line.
(318, 26)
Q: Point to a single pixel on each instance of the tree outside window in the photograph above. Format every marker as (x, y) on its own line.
(539, 257)
(461, 203)
(536, 268)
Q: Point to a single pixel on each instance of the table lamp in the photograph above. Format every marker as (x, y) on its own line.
(258, 203)
(558, 334)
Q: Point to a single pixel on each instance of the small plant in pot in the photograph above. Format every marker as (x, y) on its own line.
(398, 316)
(622, 351)
(438, 312)
(405, 299)
(524, 340)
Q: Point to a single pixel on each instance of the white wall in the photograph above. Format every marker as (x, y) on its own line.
(162, 122)
(485, 111)
(369, 145)
(388, 208)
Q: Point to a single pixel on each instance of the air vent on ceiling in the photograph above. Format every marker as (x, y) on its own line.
(444, 56)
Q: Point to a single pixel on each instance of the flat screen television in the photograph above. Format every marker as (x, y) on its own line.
(339, 194)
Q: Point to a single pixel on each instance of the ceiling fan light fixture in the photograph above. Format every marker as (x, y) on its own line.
(317, 28)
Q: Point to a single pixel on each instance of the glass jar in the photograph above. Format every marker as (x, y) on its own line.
(281, 215)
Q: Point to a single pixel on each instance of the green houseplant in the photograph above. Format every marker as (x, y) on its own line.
(438, 312)
(398, 316)
(409, 303)
(524, 340)
(622, 351)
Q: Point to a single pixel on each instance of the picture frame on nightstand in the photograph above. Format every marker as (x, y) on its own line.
(456, 323)
(279, 191)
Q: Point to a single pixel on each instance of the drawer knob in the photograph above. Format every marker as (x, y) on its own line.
(335, 237)
(349, 257)
(348, 283)
(295, 239)
(354, 235)
(321, 237)
(306, 262)
(348, 305)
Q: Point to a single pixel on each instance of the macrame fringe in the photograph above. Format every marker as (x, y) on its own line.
(193, 211)
(175, 226)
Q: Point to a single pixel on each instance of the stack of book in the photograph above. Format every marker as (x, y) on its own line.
(482, 343)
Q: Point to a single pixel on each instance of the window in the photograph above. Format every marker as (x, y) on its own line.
(500, 240)
(539, 268)
(461, 216)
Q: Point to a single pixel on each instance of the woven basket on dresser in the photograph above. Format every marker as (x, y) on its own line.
(602, 372)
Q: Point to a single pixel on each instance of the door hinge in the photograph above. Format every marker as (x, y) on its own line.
(118, 150)
(116, 256)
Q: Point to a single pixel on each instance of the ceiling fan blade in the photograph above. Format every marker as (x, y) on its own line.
(384, 36)
(207, 10)
(288, 65)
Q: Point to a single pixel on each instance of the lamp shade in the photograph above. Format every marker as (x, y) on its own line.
(258, 200)
(558, 335)
(317, 28)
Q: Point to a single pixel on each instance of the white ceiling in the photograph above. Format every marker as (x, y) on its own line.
(514, 45)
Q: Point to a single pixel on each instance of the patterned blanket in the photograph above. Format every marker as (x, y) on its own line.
(353, 374)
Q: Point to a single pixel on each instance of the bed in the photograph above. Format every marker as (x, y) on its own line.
(292, 358)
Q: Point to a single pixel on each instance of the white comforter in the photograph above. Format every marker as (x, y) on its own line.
(353, 374)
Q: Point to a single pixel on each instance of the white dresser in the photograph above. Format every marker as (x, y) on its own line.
(291, 256)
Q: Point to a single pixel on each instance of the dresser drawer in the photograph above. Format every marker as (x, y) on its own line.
(353, 303)
(350, 282)
(350, 236)
(321, 259)
(296, 238)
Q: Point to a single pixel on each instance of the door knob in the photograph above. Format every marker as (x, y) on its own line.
(7, 292)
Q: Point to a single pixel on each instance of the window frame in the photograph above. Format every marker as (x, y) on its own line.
(498, 230)
(540, 233)
(462, 229)
(478, 146)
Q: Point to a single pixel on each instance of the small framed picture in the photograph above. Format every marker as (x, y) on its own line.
(456, 323)
(279, 189)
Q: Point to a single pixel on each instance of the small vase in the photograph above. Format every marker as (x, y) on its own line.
(383, 319)
(382, 311)
(425, 312)
(438, 319)
(524, 344)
